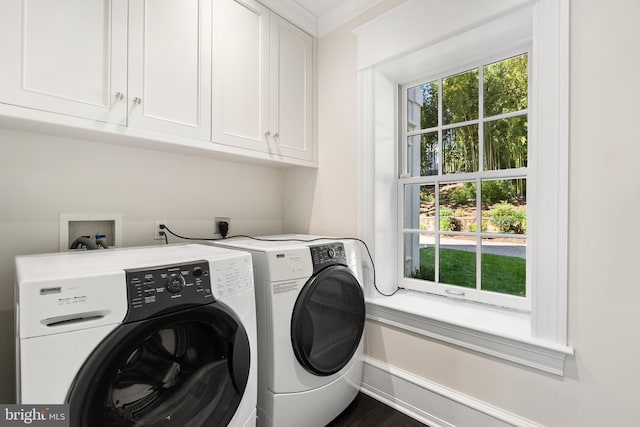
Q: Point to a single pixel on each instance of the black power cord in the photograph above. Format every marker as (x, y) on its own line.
(262, 239)
(164, 227)
(223, 226)
(163, 234)
(362, 242)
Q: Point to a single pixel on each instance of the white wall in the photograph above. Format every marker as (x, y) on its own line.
(325, 202)
(42, 176)
(600, 385)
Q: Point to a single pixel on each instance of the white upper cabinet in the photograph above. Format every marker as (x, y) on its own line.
(240, 74)
(262, 81)
(170, 66)
(65, 56)
(225, 77)
(291, 113)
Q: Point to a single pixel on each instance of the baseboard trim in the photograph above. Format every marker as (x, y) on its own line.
(432, 403)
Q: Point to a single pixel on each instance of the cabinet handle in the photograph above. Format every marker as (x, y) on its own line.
(137, 100)
(276, 135)
(267, 133)
(119, 96)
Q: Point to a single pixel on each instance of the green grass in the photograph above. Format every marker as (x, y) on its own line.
(504, 274)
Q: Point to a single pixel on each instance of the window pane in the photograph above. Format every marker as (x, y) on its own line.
(505, 143)
(422, 107)
(460, 97)
(504, 266)
(506, 86)
(458, 206)
(458, 261)
(420, 207)
(504, 206)
(419, 256)
(460, 149)
(422, 153)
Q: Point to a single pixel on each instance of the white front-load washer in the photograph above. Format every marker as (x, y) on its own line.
(155, 336)
(311, 314)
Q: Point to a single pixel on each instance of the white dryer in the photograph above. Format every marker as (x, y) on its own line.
(311, 314)
(161, 336)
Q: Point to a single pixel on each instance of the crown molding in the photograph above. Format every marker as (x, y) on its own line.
(344, 13)
(319, 26)
(295, 13)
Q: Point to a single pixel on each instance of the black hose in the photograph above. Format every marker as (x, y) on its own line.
(83, 241)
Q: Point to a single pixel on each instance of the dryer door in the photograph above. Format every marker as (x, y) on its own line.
(187, 368)
(328, 320)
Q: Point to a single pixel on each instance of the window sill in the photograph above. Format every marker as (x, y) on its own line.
(500, 333)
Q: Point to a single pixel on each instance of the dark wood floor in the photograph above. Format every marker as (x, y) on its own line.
(365, 411)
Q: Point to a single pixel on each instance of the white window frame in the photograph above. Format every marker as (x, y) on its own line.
(441, 288)
(537, 339)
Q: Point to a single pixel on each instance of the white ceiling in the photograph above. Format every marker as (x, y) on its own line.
(318, 17)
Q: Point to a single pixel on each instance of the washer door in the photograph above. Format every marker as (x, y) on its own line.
(187, 368)
(328, 320)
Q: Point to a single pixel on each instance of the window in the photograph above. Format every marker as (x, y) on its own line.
(536, 338)
(464, 190)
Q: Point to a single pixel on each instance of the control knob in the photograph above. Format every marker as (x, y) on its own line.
(175, 283)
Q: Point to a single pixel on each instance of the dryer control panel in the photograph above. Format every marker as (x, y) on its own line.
(327, 254)
(164, 289)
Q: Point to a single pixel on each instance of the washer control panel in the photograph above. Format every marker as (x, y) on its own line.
(327, 254)
(163, 289)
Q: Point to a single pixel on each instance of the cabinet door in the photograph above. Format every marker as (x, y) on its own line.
(65, 56)
(291, 90)
(240, 74)
(170, 66)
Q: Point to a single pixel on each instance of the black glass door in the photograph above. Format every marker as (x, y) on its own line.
(328, 320)
(185, 369)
